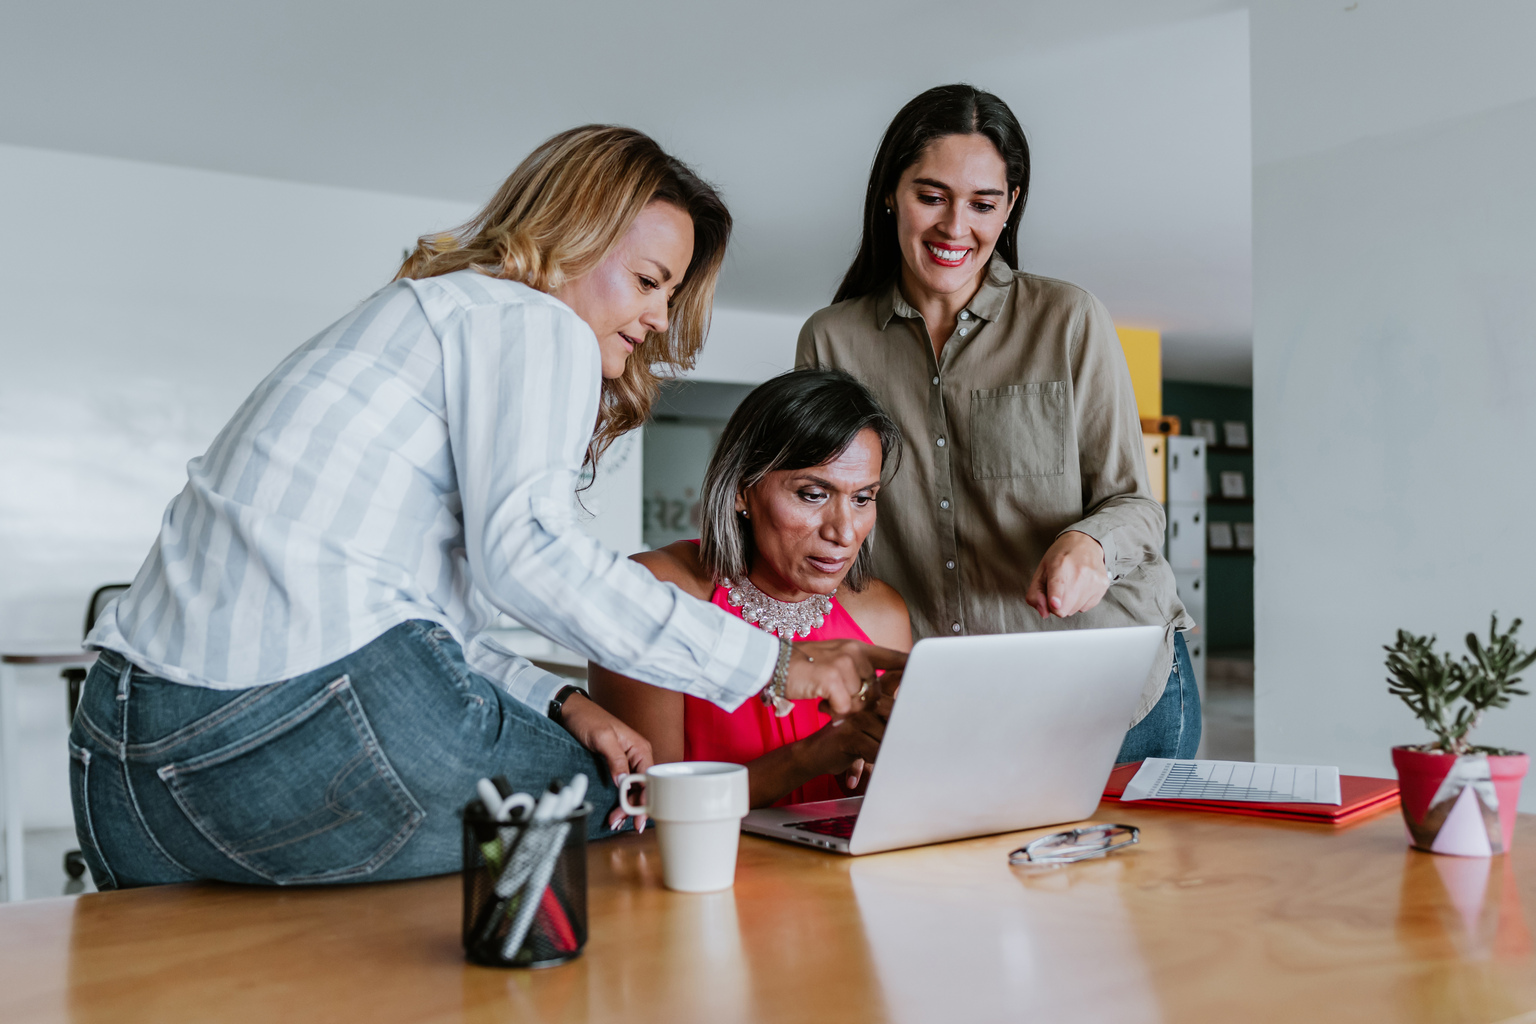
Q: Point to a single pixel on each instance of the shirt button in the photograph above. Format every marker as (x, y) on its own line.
(965, 314)
(949, 565)
(940, 442)
(935, 382)
(955, 627)
(944, 503)
(963, 330)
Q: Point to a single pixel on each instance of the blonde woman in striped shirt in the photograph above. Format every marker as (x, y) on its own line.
(299, 687)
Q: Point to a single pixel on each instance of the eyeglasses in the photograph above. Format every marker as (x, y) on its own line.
(1078, 844)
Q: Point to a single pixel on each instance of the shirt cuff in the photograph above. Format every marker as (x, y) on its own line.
(543, 686)
(513, 674)
(743, 662)
(1105, 535)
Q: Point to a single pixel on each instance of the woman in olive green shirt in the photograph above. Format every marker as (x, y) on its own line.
(1023, 501)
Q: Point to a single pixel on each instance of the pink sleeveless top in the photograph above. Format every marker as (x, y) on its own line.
(749, 732)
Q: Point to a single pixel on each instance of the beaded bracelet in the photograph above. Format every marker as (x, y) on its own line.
(773, 694)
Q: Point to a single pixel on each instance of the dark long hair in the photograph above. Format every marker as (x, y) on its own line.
(793, 421)
(942, 110)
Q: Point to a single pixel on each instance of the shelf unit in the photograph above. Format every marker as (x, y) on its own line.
(1228, 626)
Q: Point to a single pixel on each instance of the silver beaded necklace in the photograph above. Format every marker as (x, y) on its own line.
(774, 616)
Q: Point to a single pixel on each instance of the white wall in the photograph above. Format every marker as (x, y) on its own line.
(748, 347)
(1394, 360)
(1141, 164)
(139, 304)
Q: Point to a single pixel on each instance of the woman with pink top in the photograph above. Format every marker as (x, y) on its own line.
(789, 502)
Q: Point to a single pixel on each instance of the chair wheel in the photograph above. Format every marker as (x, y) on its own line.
(74, 863)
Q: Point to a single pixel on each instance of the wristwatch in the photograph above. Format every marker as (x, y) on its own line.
(557, 705)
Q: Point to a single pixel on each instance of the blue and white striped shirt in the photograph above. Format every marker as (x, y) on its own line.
(415, 460)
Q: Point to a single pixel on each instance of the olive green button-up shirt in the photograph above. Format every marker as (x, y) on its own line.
(1025, 428)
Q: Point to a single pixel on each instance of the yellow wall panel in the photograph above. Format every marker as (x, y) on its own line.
(1144, 355)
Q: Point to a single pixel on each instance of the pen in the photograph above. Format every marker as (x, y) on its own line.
(533, 844)
(554, 922)
(574, 794)
(514, 812)
(490, 797)
(532, 840)
(542, 868)
(526, 847)
(538, 885)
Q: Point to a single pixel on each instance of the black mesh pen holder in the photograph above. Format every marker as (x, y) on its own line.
(525, 889)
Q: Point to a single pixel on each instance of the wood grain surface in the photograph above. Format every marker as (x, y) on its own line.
(1211, 918)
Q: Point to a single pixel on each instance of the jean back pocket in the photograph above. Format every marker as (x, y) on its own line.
(85, 826)
(1020, 430)
(307, 798)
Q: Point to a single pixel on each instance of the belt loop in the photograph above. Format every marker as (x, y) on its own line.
(123, 680)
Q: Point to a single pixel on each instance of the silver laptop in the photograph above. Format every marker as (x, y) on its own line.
(989, 734)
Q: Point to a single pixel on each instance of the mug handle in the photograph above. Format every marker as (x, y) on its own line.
(623, 782)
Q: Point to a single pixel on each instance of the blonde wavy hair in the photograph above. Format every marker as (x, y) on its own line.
(560, 213)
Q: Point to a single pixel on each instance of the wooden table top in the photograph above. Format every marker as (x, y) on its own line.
(1211, 918)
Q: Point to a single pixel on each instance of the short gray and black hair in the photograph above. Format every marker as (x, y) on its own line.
(796, 420)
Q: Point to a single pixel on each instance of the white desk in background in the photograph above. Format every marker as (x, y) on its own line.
(541, 650)
(59, 656)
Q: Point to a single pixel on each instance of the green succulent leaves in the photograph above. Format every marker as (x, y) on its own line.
(1449, 695)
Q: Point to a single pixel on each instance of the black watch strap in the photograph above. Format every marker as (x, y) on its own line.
(557, 705)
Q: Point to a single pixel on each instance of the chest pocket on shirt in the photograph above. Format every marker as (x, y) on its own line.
(1019, 430)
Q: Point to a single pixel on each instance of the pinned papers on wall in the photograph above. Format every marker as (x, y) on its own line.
(1162, 778)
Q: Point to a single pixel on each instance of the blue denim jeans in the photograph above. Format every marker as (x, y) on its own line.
(351, 773)
(1172, 727)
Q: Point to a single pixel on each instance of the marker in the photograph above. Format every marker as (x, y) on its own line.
(490, 798)
(549, 800)
(573, 795)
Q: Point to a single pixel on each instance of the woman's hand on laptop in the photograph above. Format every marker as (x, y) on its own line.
(848, 744)
(844, 748)
(890, 682)
(839, 673)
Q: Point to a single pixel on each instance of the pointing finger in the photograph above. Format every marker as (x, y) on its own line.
(884, 657)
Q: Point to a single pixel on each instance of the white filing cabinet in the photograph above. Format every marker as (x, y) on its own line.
(1186, 504)
(1186, 538)
(1192, 593)
(1186, 470)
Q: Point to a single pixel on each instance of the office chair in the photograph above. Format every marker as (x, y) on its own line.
(74, 864)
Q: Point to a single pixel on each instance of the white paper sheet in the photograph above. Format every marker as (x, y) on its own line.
(1162, 778)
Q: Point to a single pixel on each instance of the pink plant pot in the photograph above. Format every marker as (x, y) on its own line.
(1446, 800)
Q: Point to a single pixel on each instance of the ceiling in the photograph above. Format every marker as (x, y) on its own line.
(1137, 113)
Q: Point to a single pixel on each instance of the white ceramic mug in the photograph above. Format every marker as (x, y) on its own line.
(698, 807)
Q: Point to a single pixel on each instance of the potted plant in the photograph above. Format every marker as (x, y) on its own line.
(1458, 798)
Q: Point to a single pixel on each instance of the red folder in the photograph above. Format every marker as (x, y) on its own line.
(1363, 798)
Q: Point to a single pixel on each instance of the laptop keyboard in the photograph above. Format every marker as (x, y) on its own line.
(841, 826)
